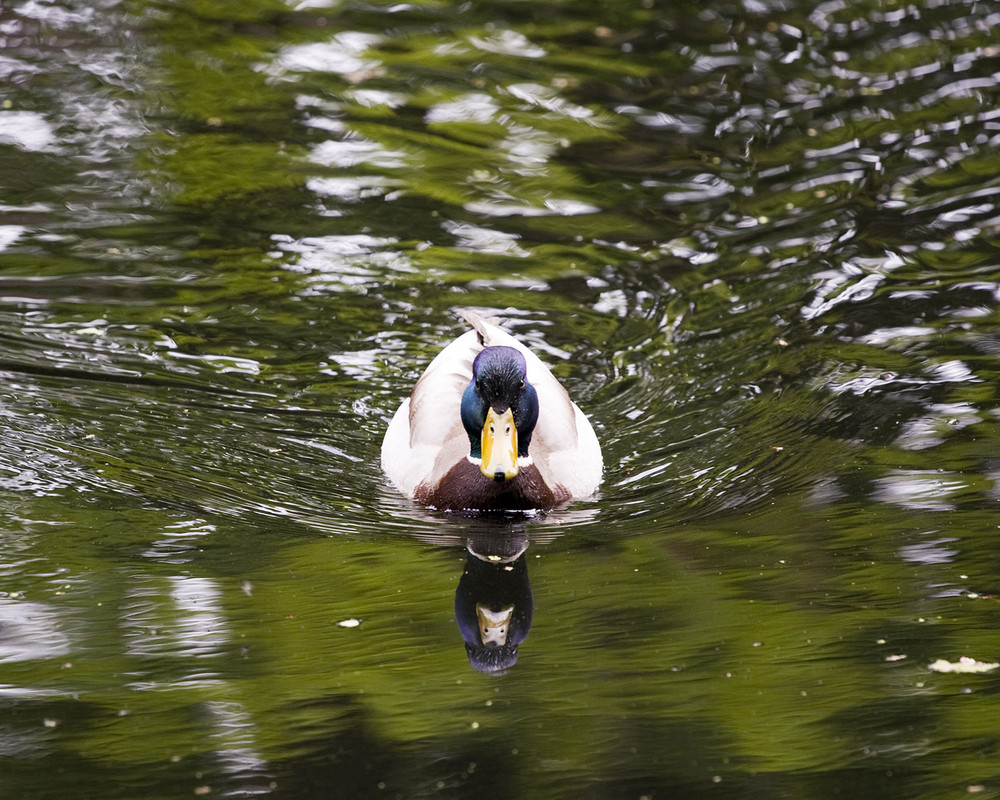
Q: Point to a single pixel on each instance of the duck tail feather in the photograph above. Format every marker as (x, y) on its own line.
(479, 323)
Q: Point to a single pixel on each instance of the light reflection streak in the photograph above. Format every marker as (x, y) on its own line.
(919, 490)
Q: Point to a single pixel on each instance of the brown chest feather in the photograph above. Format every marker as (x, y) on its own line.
(464, 487)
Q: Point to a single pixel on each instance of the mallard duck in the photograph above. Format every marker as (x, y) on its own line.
(488, 427)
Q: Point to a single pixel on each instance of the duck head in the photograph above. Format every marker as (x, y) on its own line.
(499, 411)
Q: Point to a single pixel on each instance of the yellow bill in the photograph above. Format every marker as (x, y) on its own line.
(494, 625)
(499, 446)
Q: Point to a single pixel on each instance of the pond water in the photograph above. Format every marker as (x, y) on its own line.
(758, 241)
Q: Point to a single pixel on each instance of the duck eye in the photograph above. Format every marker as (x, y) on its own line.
(520, 385)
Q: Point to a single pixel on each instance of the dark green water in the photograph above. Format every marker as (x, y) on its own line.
(757, 241)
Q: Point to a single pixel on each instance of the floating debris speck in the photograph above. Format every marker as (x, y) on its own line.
(349, 623)
(964, 664)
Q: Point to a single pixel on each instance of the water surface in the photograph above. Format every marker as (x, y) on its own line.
(757, 241)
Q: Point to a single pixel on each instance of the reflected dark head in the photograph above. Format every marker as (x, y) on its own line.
(492, 660)
(495, 586)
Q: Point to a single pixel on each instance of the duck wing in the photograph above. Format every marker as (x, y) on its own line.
(425, 437)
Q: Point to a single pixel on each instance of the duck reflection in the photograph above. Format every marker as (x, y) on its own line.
(493, 600)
